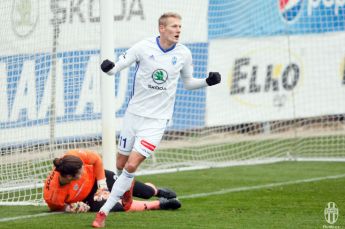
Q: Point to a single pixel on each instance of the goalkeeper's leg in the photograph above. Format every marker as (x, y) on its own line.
(143, 191)
(161, 204)
(162, 192)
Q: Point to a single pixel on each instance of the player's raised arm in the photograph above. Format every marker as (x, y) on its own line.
(191, 83)
(125, 60)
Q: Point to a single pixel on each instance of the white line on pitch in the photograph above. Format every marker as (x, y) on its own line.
(224, 191)
(248, 188)
(28, 216)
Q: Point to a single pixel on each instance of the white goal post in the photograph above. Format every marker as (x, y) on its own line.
(282, 95)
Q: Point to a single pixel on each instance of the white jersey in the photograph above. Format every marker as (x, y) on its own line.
(156, 76)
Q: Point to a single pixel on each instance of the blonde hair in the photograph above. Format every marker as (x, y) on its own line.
(163, 18)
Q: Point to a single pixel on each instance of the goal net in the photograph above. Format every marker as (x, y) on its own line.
(281, 97)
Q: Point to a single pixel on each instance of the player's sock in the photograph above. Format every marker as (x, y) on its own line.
(144, 205)
(121, 185)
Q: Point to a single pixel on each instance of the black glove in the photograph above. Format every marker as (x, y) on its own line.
(213, 78)
(107, 65)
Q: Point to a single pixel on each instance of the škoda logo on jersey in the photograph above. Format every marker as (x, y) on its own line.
(159, 76)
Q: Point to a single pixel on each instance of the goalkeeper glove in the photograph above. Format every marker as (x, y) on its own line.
(213, 78)
(102, 191)
(101, 194)
(107, 65)
(77, 207)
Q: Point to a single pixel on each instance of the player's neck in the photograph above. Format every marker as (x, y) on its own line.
(63, 180)
(165, 44)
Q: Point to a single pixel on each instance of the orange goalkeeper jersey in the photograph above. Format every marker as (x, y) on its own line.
(56, 195)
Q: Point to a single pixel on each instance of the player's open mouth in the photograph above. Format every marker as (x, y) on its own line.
(177, 36)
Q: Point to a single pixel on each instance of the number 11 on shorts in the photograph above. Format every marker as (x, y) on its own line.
(122, 142)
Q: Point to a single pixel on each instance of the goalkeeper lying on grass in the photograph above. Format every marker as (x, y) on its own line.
(79, 183)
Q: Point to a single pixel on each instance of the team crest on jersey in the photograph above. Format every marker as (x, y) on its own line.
(173, 60)
(75, 187)
(160, 76)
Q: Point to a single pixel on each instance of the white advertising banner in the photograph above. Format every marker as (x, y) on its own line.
(28, 34)
(28, 25)
(276, 78)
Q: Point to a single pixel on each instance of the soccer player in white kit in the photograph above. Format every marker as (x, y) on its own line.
(160, 62)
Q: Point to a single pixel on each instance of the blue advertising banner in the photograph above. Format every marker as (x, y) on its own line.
(26, 94)
(253, 18)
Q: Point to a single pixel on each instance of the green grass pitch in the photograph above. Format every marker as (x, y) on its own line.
(280, 195)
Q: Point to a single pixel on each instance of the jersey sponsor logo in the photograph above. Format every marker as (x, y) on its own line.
(160, 76)
(155, 87)
(147, 145)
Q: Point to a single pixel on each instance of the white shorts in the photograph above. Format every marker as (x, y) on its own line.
(140, 134)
